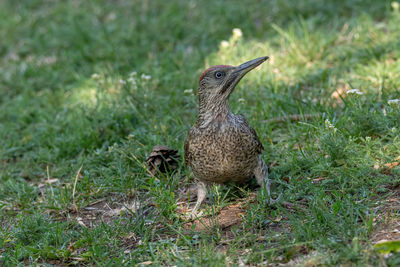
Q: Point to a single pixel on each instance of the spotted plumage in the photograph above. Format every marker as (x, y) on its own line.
(226, 150)
(222, 147)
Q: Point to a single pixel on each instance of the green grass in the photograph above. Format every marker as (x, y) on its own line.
(57, 117)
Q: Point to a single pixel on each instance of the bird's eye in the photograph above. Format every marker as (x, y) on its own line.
(219, 74)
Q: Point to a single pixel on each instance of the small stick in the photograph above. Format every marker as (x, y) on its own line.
(48, 180)
(76, 180)
(293, 117)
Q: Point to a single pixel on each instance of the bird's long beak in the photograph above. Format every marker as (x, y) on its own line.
(249, 65)
(239, 72)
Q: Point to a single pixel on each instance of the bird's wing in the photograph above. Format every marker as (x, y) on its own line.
(186, 147)
(259, 145)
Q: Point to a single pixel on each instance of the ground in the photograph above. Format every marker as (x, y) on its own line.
(88, 88)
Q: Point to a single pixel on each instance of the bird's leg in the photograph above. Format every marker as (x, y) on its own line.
(201, 195)
(261, 174)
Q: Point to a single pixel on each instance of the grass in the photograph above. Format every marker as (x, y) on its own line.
(71, 141)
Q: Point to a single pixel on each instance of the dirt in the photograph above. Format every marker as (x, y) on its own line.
(224, 218)
(104, 211)
(388, 218)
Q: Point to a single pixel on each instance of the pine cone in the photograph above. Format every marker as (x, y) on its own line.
(162, 158)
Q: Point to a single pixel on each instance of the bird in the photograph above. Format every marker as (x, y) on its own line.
(221, 146)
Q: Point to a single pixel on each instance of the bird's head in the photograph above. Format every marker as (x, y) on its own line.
(218, 82)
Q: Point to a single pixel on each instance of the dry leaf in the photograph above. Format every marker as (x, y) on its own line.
(145, 263)
(80, 221)
(389, 167)
(227, 217)
(392, 165)
(317, 180)
(51, 181)
(340, 91)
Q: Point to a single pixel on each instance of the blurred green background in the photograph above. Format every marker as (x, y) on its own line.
(98, 83)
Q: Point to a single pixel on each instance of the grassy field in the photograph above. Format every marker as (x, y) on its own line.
(87, 88)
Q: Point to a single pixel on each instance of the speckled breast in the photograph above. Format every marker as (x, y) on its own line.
(224, 152)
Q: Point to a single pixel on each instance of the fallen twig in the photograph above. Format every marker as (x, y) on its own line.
(48, 180)
(73, 190)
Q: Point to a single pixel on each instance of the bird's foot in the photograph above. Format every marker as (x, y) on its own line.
(201, 195)
(195, 215)
(188, 193)
(191, 215)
